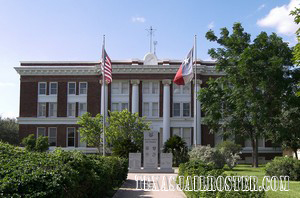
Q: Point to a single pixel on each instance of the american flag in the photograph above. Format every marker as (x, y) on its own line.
(107, 70)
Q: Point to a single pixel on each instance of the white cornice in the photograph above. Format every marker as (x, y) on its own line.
(117, 69)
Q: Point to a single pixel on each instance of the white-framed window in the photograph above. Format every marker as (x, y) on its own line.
(83, 88)
(115, 106)
(41, 131)
(176, 109)
(42, 88)
(41, 109)
(120, 87)
(82, 108)
(52, 109)
(72, 88)
(146, 108)
(53, 88)
(71, 137)
(71, 109)
(155, 87)
(186, 109)
(80, 142)
(150, 87)
(181, 109)
(155, 109)
(184, 133)
(125, 88)
(181, 89)
(260, 142)
(52, 134)
(124, 105)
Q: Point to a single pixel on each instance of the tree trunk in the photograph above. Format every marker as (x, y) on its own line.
(295, 151)
(254, 152)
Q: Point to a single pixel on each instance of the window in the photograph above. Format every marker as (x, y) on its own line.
(125, 88)
(80, 142)
(176, 89)
(82, 108)
(146, 87)
(41, 131)
(124, 106)
(71, 136)
(41, 109)
(53, 88)
(155, 87)
(83, 88)
(186, 109)
(146, 109)
(71, 88)
(155, 109)
(42, 88)
(115, 87)
(52, 109)
(71, 109)
(52, 136)
(115, 107)
(176, 109)
(186, 135)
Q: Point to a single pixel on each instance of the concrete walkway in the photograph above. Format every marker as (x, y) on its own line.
(128, 189)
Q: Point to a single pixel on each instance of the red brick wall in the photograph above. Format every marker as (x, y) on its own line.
(62, 99)
(28, 99)
(94, 98)
(207, 138)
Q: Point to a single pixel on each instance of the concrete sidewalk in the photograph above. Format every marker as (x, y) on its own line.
(128, 189)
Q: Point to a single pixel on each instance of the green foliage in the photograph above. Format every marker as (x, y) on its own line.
(9, 130)
(284, 166)
(58, 174)
(91, 129)
(230, 152)
(40, 144)
(29, 142)
(125, 132)
(177, 146)
(296, 52)
(199, 168)
(208, 155)
(247, 101)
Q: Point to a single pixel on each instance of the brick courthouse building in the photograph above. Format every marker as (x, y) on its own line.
(54, 94)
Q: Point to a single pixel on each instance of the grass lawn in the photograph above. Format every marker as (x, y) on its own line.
(247, 170)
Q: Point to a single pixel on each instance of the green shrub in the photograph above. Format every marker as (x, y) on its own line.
(40, 144)
(230, 152)
(29, 142)
(208, 155)
(200, 168)
(177, 146)
(284, 166)
(58, 174)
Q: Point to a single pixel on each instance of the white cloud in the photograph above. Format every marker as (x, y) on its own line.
(280, 19)
(138, 19)
(6, 84)
(261, 7)
(211, 25)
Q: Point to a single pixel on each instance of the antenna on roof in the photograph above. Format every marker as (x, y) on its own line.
(151, 34)
(154, 45)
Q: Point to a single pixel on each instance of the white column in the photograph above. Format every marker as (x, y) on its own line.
(135, 96)
(166, 112)
(104, 88)
(197, 109)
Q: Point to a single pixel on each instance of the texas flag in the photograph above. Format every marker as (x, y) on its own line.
(184, 74)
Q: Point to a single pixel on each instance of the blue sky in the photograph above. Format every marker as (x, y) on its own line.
(71, 30)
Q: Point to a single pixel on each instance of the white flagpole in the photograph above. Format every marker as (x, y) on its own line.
(104, 94)
(195, 92)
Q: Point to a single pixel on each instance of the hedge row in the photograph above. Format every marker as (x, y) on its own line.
(199, 168)
(58, 174)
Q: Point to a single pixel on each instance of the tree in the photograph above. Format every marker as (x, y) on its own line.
(9, 130)
(249, 95)
(177, 146)
(40, 144)
(125, 132)
(91, 130)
